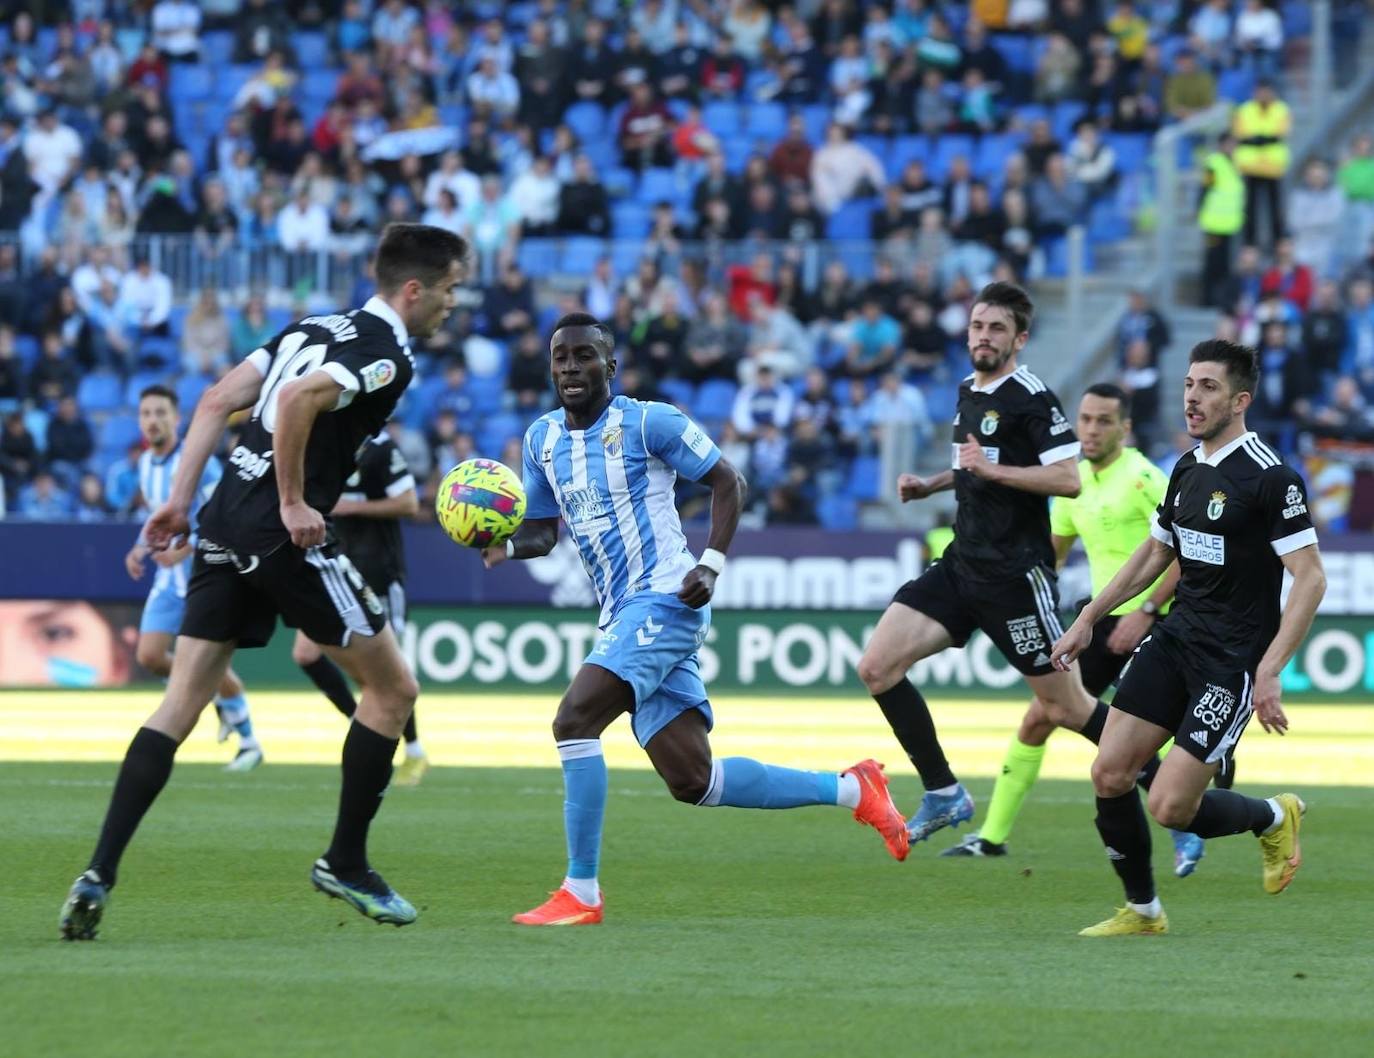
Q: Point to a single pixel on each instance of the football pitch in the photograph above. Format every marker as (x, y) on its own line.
(728, 932)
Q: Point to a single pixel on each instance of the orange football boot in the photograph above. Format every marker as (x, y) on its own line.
(877, 810)
(563, 909)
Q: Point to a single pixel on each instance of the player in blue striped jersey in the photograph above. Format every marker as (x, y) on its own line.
(607, 468)
(158, 420)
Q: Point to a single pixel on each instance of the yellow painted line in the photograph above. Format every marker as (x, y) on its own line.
(1331, 745)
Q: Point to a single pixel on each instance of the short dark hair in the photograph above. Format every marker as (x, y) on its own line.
(1012, 298)
(586, 319)
(1241, 362)
(417, 251)
(1111, 391)
(159, 390)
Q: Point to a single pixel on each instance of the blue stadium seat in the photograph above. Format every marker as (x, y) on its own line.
(189, 389)
(857, 260)
(138, 382)
(816, 117)
(100, 391)
(766, 121)
(993, 152)
(715, 399)
(26, 350)
(117, 433)
(191, 82)
(1107, 222)
(838, 513)
(580, 255)
(1016, 50)
(318, 85)
(538, 257)
(587, 121)
(679, 391)
(216, 47)
(722, 118)
(1297, 18)
(625, 256)
(1235, 85)
(36, 422)
(661, 185)
(941, 401)
(630, 220)
(1025, 113)
(947, 148)
(1057, 257)
(619, 181)
(496, 430)
(737, 152)
(1065, 116)
(230, 79)
(851, 220)
(905, 149)
(1132, 150)
(863, 481)
(162, 351)
(453, 116)
(488, 394)
(311, 48)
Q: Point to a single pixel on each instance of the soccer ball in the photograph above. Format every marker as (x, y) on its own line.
(480, 503)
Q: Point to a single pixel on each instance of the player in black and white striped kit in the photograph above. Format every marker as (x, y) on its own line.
(1236, 518)
(317, 392)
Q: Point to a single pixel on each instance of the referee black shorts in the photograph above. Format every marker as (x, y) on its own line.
(233, 598)
(1020, 615)
(1206, 707)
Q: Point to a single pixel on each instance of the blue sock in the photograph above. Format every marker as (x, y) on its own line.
(739, 782)
(235, 711)
(584, 803)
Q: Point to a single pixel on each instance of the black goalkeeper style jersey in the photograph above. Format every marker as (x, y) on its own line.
(1230, 518)
(1000, 533)
(374, 544)
(365, 352)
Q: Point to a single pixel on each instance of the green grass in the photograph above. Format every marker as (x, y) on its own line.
(728, 932)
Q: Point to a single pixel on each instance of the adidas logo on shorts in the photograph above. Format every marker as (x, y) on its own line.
(1200, 737)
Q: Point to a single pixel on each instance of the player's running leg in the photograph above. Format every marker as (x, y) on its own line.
(681, 754)
(903, 637)
(198, 669)
(1020, 769)
(1127, 743)
(388, 695)
(231, 705)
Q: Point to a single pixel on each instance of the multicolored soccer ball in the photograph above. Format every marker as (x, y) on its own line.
(480, 503)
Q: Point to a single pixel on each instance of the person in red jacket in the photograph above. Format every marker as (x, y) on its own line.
(1287, 278)
(645, 130)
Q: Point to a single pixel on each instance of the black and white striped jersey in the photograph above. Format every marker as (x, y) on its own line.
(366, 352)
(1230, 517)
(999, 532)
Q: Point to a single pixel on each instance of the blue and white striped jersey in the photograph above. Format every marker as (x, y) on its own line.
(155, 475)
(613, 486)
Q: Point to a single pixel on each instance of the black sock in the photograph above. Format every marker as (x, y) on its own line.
(1092, 729)
(411, 734)
(1126, 833)
(366, 773)
(911, 722)
(1225, 812)
(330, 679)
(147, 764)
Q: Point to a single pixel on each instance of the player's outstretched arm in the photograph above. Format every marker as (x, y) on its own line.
(299, 404)
(405, 505)
(237, 390)
(914, 487)
(535, 538)
(1309, 585)
(1059, 478)
(1141, 570)
(728, 490)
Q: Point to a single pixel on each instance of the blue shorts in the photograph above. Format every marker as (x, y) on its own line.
(651, 643)
(162, 612)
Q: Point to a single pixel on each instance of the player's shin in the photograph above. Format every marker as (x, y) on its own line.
(329, 678)
(585, 783)
(146, 768)
(366, 775)
(1126, 834)
(909, 716)
(740, 782)
(1020, 768)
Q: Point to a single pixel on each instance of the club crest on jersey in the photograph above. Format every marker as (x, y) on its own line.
(1216, 506)
(378, 374)
(988, 427)
(613, 439)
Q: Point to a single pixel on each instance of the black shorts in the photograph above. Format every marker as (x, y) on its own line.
(233, 598)
(1098, 666)
(1205, 706)
(1021, 616)
(393, 596)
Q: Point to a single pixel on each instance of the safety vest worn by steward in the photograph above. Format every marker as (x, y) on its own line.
(1262, 148)
(1223, 203)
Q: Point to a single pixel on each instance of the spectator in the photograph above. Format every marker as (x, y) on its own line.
(599, 295)
(768, 456)
(645, 130)
(777, 339)
(1358, 359)
(54, 375)
(18, 453)
(451, 175)
(746, 284)
(149, 70)
(1039, 146)
(679, 68)
(874, 338)
(1057, 70)
(924, 346)
(714, 343)
(1356, 179)
(13, 385)
(1262, 126)
(855, 438)
(1259, 38)
(1324, 330)
(17, 186)
(53, 151)
(1286, 385)
(1090, 161)
(252, 329)
(1221, 216)
(492, 225)
(1142, 321)
(1140, 378)
(592, 64)
(583, 206)
(659, 342)
(444, 214)
(91, 505)
(44, 500)
(121, 481)
(205, 336)
(977, 104)
(303, 225)
(634, 63)
(534, 196)
(1190, 89)
(932, 107)
(801, 220)
(509, 304)
(163, 212)
(816, 404)
(1316, 212)
(111, 328)
(106, 60)
(693, 142)
(1057, 201)
(529, 366)
(937, 48)
(1345, 415)
(261, 28)
(896, 404)
(69, 435)
(763, 402)
(176, 30)
(1288, 277)
(722, 71)
(843, 169)
(1210, 29)
(492, 90)
(747, 26)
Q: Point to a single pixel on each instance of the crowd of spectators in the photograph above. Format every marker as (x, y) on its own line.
(723, 142)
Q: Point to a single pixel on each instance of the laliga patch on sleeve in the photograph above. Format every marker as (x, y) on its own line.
(377, 374)
(697, 441)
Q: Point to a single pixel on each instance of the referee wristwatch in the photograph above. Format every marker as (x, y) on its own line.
(1149, 608)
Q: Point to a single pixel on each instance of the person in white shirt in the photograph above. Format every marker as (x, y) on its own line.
(53, 151)
(88, 276)
(534, 197)
(765, 401)
(176, 30)
(1259, 37)
(145, 296)
(303, 224)
(491, 87)
(452, 176)
(841, 169)
(895, 403)
(445, 214)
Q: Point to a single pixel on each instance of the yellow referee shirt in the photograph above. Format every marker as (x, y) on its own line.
(1112, 516)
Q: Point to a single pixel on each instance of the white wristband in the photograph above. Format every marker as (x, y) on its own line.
(510, 548)
(713, 560)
